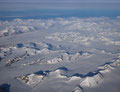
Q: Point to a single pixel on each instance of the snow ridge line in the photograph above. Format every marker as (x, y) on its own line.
(92, 79)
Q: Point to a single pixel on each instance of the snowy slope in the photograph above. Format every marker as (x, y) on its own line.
(60, 55)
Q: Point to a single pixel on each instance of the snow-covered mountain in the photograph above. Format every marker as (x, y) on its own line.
(60, 55)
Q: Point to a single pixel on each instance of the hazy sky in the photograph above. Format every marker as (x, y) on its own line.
(59, 4)
(60, 0)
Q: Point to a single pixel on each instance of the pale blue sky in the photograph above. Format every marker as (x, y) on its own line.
(80, 8)
(59, 0)
(59, 4)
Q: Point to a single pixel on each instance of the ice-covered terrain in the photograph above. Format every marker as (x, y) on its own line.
(60, 55)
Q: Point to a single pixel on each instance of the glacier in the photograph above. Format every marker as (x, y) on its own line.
(60, 54)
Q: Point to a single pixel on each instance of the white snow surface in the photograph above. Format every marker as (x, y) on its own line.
(60, 55)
